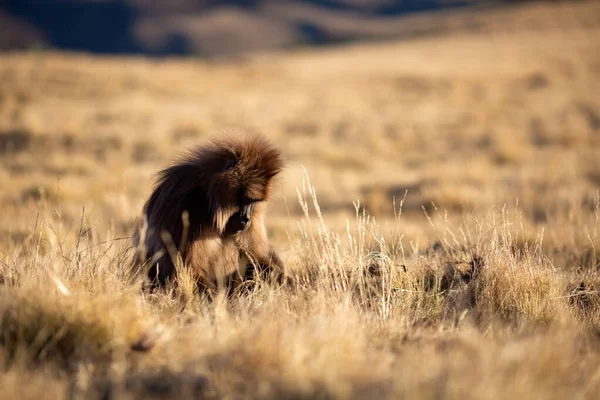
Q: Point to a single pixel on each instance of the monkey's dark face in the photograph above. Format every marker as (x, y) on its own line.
(242, 201)
(240, 221)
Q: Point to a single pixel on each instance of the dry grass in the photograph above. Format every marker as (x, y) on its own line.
(440, 214)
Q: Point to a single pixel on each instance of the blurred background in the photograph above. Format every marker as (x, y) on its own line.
(215, 27)
(461, 106)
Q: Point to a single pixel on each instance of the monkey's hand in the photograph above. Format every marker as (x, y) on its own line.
(269, 268)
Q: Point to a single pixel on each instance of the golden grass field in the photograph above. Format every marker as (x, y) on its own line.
(439, 212)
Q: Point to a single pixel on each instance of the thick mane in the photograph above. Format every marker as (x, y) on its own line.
(203, 180)
(177, 190)
(252, 154)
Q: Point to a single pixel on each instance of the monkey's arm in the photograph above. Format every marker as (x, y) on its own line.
(263, 260)
(255, 245)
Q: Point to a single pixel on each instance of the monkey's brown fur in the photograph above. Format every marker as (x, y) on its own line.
(212, 204)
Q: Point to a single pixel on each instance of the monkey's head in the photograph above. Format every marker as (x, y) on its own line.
(241, 173)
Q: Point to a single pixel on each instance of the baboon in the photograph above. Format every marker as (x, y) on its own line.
(209, 208)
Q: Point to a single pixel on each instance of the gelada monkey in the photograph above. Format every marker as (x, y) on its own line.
(209, 208)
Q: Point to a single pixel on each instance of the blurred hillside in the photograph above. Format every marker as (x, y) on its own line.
(210, 27)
